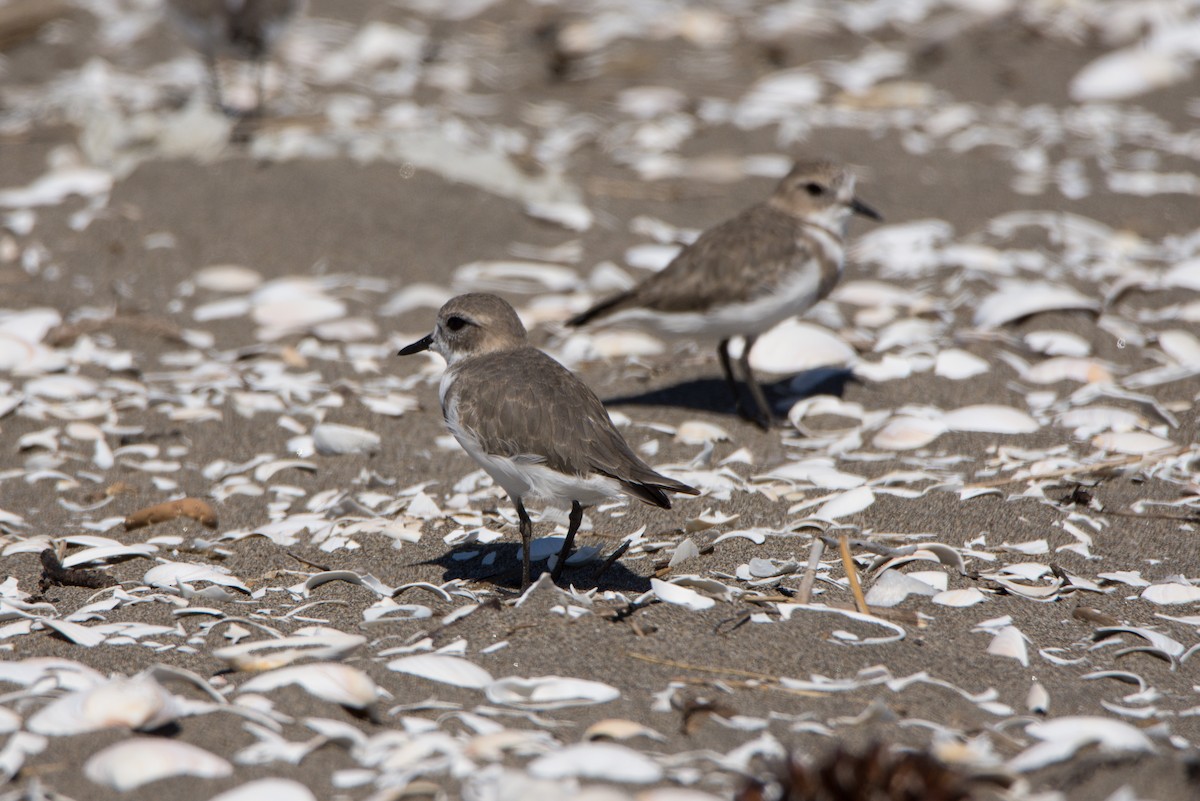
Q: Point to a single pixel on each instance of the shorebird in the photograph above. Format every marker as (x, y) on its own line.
(743, 276)
(534, 426)
(242, 29)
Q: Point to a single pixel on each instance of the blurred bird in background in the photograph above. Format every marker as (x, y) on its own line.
(244, 30)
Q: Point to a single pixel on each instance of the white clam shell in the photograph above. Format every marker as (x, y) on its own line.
(339, 684)
(136, 703)
(572, 216)
(1058, 343)
(274, 653)
(549, 692)
(698, 432)
(522, 277)
(1171, 593)
(906, 433)
(794, 346)
(273, 789)
(1131, 442)
(336, 439)
(960, 598)
(129, 764)
(958, 364)
(603, 761)
(1127, 73)
(451, 670)
(991, 419)
(846, 503)
(228, 278)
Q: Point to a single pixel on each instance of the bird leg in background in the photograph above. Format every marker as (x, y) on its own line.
(765, 416)
(214, 79)
(731, 379)
(572, 526)
(526, 541)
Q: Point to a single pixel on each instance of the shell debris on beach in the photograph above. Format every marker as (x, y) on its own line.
(243, 558)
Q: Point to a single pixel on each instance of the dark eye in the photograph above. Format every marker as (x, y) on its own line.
(814, 189)
(455, 323)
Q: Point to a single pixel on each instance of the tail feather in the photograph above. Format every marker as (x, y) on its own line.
(599, 310)
(656, 493)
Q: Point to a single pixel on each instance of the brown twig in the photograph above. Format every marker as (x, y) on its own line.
(815, 552)
(860, 600)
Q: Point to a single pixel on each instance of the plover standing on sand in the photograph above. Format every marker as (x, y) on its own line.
(530, 422)
(242, 29)
(742, 277)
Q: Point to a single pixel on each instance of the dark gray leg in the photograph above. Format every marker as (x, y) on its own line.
(572, 526)
(526, 541)
(765, 416)
(214, 80)
(260, 87)
(731, 379)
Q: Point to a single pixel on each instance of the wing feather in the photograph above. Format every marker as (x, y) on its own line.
(546, 413)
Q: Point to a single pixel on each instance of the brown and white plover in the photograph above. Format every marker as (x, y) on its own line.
(743, 276)
(534, 426)
(246, 30)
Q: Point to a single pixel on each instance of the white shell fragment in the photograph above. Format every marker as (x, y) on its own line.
(682, 596)
(1021, 300)
(891, 588)
(1063, 737)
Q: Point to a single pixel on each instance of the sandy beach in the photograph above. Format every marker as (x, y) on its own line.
(995, 407)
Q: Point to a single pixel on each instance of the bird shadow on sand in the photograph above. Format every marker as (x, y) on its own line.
(470, 561)
(712, 394)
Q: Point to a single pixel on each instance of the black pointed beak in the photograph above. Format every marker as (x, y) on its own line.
(858, 207)
(421, 344)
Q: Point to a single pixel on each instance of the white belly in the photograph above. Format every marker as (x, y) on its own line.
(795, 295)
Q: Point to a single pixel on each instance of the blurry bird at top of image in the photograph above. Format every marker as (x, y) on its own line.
(242, 30)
